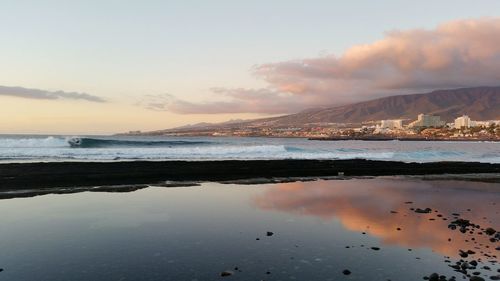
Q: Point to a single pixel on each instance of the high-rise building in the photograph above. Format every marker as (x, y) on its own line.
(463, 122)
(424, 120)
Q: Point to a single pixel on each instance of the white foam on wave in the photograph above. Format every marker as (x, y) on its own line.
(57, 149)
(215, 152)
(7, 142)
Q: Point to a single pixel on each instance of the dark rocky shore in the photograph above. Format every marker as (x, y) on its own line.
(21, 176)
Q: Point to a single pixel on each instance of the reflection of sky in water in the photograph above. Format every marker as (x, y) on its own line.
(194, 233)
(362, 205)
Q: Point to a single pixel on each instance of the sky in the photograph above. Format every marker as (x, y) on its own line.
(100, 67)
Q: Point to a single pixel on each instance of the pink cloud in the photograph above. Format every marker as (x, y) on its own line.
(238, 100)
(460, 53)
(455, 54)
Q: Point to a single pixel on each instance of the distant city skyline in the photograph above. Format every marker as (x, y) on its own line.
(98, 67)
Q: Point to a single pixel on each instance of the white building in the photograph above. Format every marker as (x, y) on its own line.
(424, 120)
(485, 123)
(391, 124)
(463, 122)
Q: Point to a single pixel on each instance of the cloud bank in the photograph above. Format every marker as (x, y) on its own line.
(461, 53)
(46, 95)
(238, 100)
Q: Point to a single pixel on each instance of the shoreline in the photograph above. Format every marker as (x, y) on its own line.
(386, 138)
(24, 176)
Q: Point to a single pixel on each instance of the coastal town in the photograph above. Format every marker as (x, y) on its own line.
(424, 127)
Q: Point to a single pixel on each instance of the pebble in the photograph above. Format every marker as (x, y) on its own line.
(434, 277)
(423, 211)
(490, 231)
(269, 233)
(346, 272)
(226, 273)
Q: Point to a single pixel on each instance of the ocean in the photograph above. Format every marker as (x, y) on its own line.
(46, 148)
(347, 228)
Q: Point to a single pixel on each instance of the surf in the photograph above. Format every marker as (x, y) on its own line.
(78, 142)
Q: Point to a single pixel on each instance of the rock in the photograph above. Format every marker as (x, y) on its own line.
(423, 211)
(434, 277)
(269, 233)
(375, 248)
(226, 273)
(490, 231)
(476, 278)
(495, 277)
(346, 272)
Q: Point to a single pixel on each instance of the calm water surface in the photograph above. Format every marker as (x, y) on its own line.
(195, 233)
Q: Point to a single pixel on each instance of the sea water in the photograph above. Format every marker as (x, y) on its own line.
(33, 148)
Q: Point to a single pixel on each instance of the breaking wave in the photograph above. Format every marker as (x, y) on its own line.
(11, 142)
(97, 143)
(60, 148)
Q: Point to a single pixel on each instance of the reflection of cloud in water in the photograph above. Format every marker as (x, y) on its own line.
(366, 205)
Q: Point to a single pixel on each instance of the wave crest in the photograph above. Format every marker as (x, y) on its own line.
(33, 142)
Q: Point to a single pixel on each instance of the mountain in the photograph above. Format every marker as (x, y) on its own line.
(480, 103)
(204, 125)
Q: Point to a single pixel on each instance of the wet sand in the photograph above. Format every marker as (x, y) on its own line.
(18, 176)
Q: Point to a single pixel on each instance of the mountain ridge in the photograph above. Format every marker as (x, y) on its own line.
(479, 103)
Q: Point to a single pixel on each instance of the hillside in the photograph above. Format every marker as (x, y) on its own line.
(480, 103)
